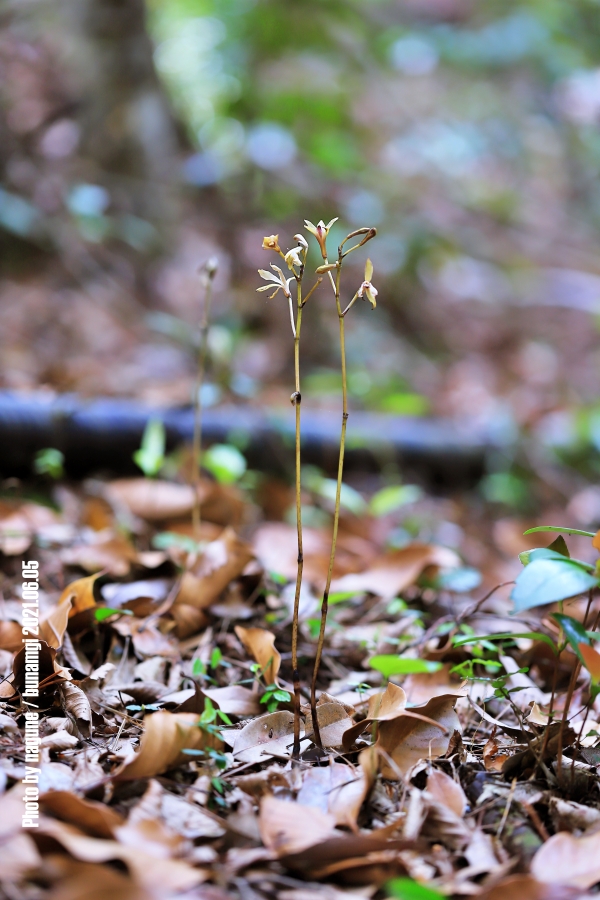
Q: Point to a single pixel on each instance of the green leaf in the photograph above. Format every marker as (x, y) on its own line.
(389, 665)
(225, 462)
(151, 455)
(165, 539)
(560, 545)
(560, 528)
(340, 597)
(49, 461)
(407, 889)
(574, 631)
(549, 581)
(349, 498)
(460, 581)
(505, 636)
(104, 612)
(529, 556)
(393, 497)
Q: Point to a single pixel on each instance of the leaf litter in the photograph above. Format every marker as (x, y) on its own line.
(167, 723)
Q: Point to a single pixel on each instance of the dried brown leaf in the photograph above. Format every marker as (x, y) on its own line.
(154, 874)
(264, 737)
(397, 570)
(288, 827)
(405, 740)
(447, 791)
(95, 819)
(165, 736)
(235, 700)
(565, 859)
(78, 706)
(261, 645)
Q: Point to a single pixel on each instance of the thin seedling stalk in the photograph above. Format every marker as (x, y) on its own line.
(297, 400)
(209, 270)
(368, 234)
(336, 514)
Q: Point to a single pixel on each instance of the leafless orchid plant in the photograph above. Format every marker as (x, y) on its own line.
(296, 262)
(295, 259)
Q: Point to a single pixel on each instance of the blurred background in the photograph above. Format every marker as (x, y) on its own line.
(138, 140)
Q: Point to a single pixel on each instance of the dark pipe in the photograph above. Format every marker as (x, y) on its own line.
(101, 435)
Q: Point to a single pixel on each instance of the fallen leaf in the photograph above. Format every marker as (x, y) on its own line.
(11, 635)
(383, 706)
(19, 856)
(78, 706)
(334, 722)
(288, 827)
(405, 740)
(447, 791)
(151, 498)
(165, 736)
(152, 873)
(80, 594)
(261, 645)
(388, 575)
(524, 887)
(266, 736)
(96, 819)
(87, 881)
(338, 789)
(565, 859)
(221, 561)
(235, 700)
(422, 687)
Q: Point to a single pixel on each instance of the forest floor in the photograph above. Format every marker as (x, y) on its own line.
(166, 715)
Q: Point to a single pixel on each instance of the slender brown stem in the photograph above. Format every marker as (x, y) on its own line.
(563, 722)
(297, 400)
(209, 271)
(590, 701)
(336, 515)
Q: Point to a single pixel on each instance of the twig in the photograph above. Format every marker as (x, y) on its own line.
(209, 270)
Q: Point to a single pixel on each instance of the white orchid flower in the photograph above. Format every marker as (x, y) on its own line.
(301, 240)
(366, 289)
(279, 279)
(293, 257)
(320, 231)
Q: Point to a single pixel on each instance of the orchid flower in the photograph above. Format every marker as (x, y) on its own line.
(366, 289)
(293, 257)
(279, 279)
(271, 242)
(282, 283)
(320, 231)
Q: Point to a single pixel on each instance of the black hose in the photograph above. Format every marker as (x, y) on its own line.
(100, 435)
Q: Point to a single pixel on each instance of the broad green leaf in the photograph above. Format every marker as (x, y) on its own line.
(574, 631)
(505, 636)
(560, 545)
(461, 581)
(560, 528)
(349, 498)
(528, 556)
(389, 665)
(103, 612)
(165, 539)
(151, 455)
(407, 889)
(49, 461)
(340, 597)
(393, 497)
(225, 462)
(550, 580)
